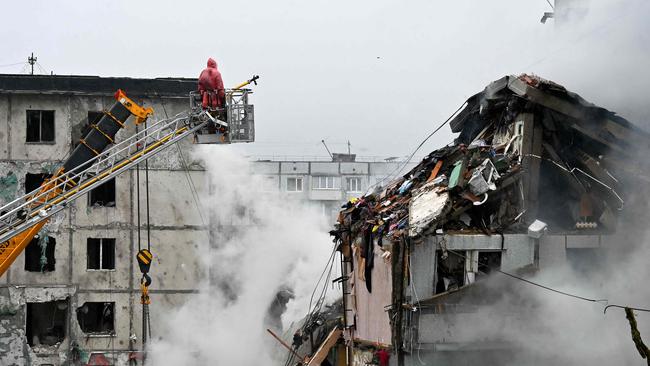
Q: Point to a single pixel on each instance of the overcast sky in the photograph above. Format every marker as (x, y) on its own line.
(381, 74)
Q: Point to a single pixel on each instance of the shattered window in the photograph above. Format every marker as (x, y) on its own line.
(39, 254)
(34, 181)
(97, 317)
(323, 182)
(103, 196)
(294, 184)
(40, 126)
(100, 253)
(353, 184)
(488, 262)
(451, 273)
(45, 322)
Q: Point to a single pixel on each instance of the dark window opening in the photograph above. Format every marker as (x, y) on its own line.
(101, 253)
(46, 322)
(40, 126)
(450, 271)
(103, 196)
(39, 254)
(34, 181)
(488, 262)
(97, 317)
(93, 118)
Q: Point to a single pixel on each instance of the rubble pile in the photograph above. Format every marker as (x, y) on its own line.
(527, 149)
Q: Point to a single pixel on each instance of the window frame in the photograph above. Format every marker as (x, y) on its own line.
(99, 334)
(50, 252)
(103, 186)
(101, 255)
(357, 180)
(40, 127)
(319, 178)
(296, 179)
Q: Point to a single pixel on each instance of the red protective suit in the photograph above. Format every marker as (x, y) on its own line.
(383, 357)
(211, 87)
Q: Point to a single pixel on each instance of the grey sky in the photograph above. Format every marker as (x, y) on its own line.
(380, 73)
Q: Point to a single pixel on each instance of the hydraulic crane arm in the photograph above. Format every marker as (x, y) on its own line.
(90, 165)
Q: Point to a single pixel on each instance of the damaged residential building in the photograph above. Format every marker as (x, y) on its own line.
(73, 295)
(537, 177)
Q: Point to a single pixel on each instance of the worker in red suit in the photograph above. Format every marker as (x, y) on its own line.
(213, 94)
(383, 356)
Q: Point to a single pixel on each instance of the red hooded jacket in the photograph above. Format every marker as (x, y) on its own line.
(210, 80)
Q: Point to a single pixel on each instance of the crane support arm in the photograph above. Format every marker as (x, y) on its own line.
(20, 223)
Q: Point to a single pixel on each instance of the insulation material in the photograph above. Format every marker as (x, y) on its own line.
(427, 207)
(8, 187)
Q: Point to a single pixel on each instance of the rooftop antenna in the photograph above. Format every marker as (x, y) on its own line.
(326, 148)
(32, 60)
(349, 148)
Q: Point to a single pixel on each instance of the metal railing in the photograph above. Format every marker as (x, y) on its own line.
(237, 117)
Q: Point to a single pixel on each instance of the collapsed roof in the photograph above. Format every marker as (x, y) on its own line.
(527, 149)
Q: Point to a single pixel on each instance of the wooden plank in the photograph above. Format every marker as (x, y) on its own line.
(324, 349)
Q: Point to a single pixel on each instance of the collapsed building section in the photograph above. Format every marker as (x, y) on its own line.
(537, 176)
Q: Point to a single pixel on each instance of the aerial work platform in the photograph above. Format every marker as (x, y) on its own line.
(232, 124)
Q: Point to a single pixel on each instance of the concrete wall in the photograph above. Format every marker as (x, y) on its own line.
(447, 336)
(177, 231)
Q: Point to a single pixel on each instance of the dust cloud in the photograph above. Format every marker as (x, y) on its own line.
(264, 243)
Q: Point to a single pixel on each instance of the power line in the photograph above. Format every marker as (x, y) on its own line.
(600, 301)
(14, 64)
(623, 307)
(551, 5)
(321, 298)
(188, 177)
(401, 166)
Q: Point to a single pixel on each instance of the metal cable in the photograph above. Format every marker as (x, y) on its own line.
(146, 172)
(624, 307)
(600, 301)
(408, 160)
(14, 64)
(137, 188)
(193, 190)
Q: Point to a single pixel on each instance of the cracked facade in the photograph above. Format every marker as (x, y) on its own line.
(80, 301)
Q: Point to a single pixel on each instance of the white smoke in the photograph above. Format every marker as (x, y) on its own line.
(542, 327)
(276, 243)
(604, 56)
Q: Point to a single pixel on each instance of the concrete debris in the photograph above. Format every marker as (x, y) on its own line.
(519, 134)
(310, 336)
